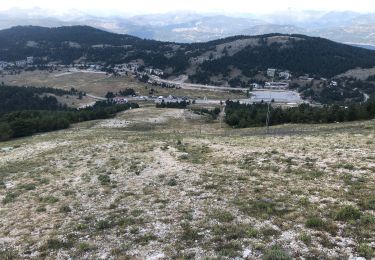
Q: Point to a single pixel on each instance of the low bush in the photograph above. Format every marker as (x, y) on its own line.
(348, 213)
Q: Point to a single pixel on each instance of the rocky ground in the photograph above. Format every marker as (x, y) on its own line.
(167, 183)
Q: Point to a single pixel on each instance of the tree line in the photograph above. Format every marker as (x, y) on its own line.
(27, 113)
(14, 98)
(182, 104)
(248, 115)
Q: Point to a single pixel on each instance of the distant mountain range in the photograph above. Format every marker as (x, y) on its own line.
(185, 27)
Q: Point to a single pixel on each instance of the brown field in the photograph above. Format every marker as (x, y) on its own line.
(100, 84)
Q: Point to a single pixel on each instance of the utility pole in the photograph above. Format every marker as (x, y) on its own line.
(268, 115)
(221, 114)
(268, 118)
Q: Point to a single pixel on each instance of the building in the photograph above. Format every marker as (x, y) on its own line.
(285, 75)
(21, 63)
(158, 72)
(120, 100)
(30, 60)
(276, 85)
(285, 97)
(333, 83)
(271, 73)
(169, 99)
(255, 86)
(3, 64)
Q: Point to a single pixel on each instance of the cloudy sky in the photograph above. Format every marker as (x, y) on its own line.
(161, 6)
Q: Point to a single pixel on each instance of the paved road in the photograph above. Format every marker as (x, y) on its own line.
(96, 97)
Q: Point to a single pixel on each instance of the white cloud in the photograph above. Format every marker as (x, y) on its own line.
(160, 6)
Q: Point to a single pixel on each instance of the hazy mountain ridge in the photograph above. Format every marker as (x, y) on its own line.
(346, 27)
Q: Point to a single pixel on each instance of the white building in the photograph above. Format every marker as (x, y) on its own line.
(255, 86)
(276, 85)
(30, 60)
(271, 73)
(3, 64)
(21, 63)
(169, 99)
(286, 97)
(334, 83)
(120, 100)
(285, 75)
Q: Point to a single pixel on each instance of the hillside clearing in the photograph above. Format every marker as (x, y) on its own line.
(172, 184)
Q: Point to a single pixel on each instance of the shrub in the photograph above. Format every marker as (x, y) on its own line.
(368, 203)
(145, 239)
(65, 209)
(230, 249)
(49, 199)
(234, 231)
(10, 197)
(222, 215)
(27, 186)
(320, 224)
(316, 223)
(348, 213)
(103, 224)
(367, 219)
(305, 238)
(55, 244)
(189, 234)
(276, 253)
(172, 182)
(85, 247)
(5, 131)
(366, 251)
(40, 209)
(104, 179)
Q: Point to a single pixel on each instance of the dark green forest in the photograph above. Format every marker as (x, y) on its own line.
(24, 112)
(243, 115)
(315, 56)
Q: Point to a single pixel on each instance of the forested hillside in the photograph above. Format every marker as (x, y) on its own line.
(297, 53)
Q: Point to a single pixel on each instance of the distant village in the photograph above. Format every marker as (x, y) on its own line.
(18, 63)
(152, 75)
(276, 80)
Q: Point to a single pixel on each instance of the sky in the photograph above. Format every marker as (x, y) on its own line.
(131, 7)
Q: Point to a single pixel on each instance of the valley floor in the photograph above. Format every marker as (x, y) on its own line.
(167, 183)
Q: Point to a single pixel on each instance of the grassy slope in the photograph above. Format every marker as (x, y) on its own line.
(149, 184)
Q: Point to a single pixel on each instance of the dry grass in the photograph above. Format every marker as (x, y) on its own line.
(168, 184)
(100, 84)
